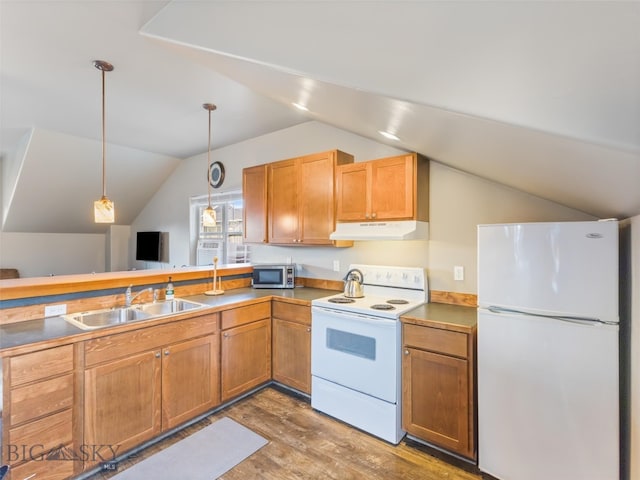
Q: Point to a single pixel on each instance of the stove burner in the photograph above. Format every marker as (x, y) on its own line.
(398, 301)
(342, 300)
(383, 306)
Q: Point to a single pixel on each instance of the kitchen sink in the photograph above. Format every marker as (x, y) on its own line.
(167, 307)
(144, 311)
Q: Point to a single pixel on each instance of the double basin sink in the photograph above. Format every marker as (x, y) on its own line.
(144, 311)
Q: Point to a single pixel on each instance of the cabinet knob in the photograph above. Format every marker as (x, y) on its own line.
(406, 352)
(225, 335)
(166, 352)
(374, 215)
(157, 354)
(308, 329)
(367, 215)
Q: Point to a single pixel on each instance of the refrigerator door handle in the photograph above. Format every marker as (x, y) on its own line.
(578, 320)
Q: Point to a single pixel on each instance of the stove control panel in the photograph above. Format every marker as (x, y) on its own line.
(413, 278)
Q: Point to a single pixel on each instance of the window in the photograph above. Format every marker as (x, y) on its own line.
(225, 239)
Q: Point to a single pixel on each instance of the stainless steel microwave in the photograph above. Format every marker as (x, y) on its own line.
(274, 276)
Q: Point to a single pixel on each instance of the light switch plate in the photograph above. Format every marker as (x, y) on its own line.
(458, 273)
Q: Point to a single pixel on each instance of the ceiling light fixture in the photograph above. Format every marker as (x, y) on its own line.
(300, 106)
(388, 135)
(209, 214)
(103, 209)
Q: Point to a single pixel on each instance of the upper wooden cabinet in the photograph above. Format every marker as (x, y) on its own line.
(254, 195)
(301, 193)
(393, 188)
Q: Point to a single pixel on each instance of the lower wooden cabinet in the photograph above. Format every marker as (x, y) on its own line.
(245, 349)
(122, 401)
(40, 418)
(140, 383)
(437, 388)
(190, 379)
(292, 345)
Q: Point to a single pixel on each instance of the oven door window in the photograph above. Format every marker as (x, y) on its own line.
(351, 343)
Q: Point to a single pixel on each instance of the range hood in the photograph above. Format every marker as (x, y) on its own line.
(396, 230)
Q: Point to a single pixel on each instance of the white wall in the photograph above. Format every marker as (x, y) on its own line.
(458, 202)
(42, 254)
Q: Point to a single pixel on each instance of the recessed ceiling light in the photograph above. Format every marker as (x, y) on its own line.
(388, 135)
(299, 106)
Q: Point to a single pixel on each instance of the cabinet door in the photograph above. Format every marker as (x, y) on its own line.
(283, 202)
(393, 190)
(245, 358)
(435, 400)
(352, 191)
(254, 197)
(317, 206)
(122, 402)
(292, 354)
(190, 379)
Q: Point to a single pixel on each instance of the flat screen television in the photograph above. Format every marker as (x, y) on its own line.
(149, 246)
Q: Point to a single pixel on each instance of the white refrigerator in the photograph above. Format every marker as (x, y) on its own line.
(548, 356)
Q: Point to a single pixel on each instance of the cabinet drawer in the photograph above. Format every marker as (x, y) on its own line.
(120, 345)
(42, 364)
(35, 440)
(38, 399)
(435, 340)
(248, 314)
(291, 312)
(45, 469)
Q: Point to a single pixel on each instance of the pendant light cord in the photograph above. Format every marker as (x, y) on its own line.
(104, 166)
(209, 161)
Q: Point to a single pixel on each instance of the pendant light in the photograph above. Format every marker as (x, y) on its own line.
(209, 214)
(103, 210)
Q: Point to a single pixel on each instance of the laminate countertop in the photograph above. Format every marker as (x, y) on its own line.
(45, 331)
(439, 315)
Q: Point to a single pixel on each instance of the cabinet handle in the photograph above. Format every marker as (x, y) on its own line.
(406, 352)
(157, 354)
(166, 352)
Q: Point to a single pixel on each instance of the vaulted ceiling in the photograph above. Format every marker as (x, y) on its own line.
(540, 96)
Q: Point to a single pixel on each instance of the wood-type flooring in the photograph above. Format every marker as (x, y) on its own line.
(306, 444)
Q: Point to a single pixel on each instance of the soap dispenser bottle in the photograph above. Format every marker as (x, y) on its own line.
(169, 294)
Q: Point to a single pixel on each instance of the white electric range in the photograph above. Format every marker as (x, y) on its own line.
(356, 349)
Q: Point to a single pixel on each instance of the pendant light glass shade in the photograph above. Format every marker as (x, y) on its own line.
(209, 217)
(103, 209)
(209, 214)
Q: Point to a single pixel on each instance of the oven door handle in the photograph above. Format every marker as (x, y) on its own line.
(351, 315)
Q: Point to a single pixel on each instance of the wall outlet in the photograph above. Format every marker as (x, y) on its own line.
(55, 310)
(458, 273)
(336, 265)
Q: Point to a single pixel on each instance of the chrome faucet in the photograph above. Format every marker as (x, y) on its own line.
(128, 298)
